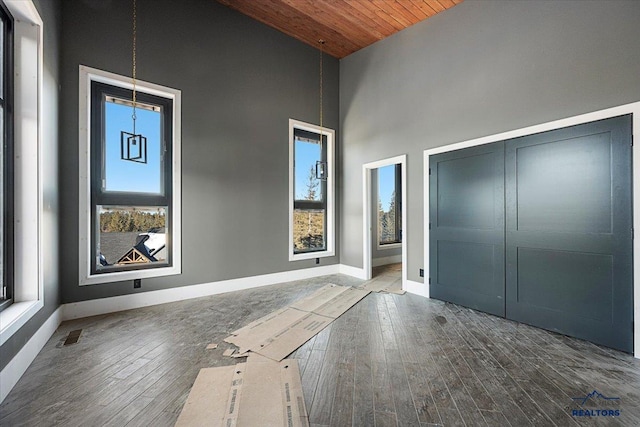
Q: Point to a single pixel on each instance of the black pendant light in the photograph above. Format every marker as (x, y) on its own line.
(133, 146)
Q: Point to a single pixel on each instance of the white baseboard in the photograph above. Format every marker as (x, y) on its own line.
(356, 272)
(14, 370)
(417, 288)
(144, 299)
(393, 259)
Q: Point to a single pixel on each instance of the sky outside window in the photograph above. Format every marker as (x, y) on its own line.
(306, 155)
(125, 175)
(386, 185)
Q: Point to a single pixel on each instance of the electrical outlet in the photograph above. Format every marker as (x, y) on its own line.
(422, 272)
(137, 283)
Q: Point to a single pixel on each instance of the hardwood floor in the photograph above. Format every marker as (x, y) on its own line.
(390, 360)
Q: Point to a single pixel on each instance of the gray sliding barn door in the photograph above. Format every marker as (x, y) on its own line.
(466, 258)
(568, 231)
(557, 206)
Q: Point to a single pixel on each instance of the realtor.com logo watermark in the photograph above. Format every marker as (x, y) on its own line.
(596, 404)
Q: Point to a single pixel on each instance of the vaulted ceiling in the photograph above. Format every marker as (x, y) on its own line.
(345, 25)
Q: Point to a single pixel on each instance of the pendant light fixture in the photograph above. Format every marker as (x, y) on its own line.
(133, 146)
(321, 167)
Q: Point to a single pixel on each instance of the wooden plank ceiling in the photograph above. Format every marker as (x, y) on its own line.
(345, 25)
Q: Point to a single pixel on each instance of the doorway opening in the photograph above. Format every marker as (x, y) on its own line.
(384, 201)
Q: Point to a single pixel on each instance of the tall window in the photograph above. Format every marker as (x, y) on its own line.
(389, 205)
(130, 179)
(132, 212)
(6, 157)
(311, 187)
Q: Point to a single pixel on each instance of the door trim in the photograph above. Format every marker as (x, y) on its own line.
(633, 108)
(366, 210)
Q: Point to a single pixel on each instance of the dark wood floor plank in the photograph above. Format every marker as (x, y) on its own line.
(322, 403)
(302, 353)
(421, 394)
(129, 412)
(163, 398)
(456, 387)
(406, 413)
(499, 395)
(407, 347)
(322, 339)
(311, 376)
(385, 419)
(382, 394)
(451, 417)
(342, 409)
(376, 343)
(363, 406)
(516, 390)
(164, 419)
(495, 418)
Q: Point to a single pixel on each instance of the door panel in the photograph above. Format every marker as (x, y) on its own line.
(565, 186)
(568, 231)
(478, 259)
(467, 227)
(573, 283)
(466, 191)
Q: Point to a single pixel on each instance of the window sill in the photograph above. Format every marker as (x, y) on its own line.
(121, 276)
(389, 246)
(310, 255)
(16, 316)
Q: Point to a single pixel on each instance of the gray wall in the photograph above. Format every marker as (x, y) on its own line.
(480, 68)
(241, 81)
(49, 11)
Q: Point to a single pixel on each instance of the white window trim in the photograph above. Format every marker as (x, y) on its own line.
(330, 237)
(28, 114)
(88, 75)
(388, 246)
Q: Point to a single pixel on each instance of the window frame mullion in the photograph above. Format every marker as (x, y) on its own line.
(8, 179)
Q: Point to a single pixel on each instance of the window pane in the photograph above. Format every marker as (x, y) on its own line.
(131, 235)
(130, 175)
(3, 291)
(387, 231)
(2, 57)
(6, 166)
(306, 185)
(309, 230)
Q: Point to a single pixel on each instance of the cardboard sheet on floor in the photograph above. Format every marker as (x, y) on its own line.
(280, 333)
(207, 402)
(384, 283)
(258, 392)
(262, 329)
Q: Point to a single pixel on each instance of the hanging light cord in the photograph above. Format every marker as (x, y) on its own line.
(321, 45)
(133, 116)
